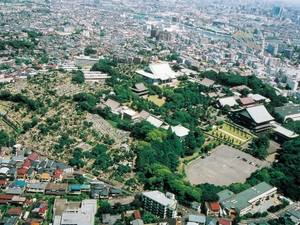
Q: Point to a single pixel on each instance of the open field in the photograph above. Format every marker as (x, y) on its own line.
(230, 134)
(223, 167)
(156, 100)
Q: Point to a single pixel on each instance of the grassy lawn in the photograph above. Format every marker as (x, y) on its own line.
(225, 137)
(89, 176)
(112, 123)
(156, 100)
(238, 133)
(231, 134)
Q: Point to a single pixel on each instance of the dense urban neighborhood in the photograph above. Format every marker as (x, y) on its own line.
(135, 112)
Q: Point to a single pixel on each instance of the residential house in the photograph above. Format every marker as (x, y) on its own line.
(12, 220)
(196, 206)
(223, 221)
(4, 199)
(32, 157)
(199, 219)
(35, 164)
(212, 208)
(292, 217)
(21, 174)
(137, 214)
(39, 172)
(26, 164)
(19, 158)
(30, 173)
(68, 177)
(4, 171)
(15, 212)
(45, 177)
(77, 189)
(36, 187)
(5, 162)
(19, 183)
(110, 219)
(66, 168)
(58, 175)
(40, 208)
(138, 222)
(56, 189)
(14, 191)
(211, 221)
(12, 164)
(18, 200)
(12, 172)
(3, 184)
(98, 190)
(114, 192)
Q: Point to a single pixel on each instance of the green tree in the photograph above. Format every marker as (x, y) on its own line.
(89, 50)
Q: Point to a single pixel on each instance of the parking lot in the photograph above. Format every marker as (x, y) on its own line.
(225, 165)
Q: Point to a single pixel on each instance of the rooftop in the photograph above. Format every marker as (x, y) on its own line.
(259, 114)
(159, 197)
(197, 218)
(180, 131)
(244, 199)
(227, 101)
(283, 131)
(288, 110)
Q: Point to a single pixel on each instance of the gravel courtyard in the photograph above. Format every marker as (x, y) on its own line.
(224, 166)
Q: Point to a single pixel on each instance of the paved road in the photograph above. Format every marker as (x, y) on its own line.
(272, 216)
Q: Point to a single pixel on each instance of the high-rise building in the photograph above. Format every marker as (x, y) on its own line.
(161, 35)
(277, 11)
(162, 205)
(273, 49)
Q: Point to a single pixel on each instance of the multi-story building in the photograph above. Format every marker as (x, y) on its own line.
(85, 60)
(160, 204)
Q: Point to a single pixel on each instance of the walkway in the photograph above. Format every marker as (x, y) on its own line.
(243, 140)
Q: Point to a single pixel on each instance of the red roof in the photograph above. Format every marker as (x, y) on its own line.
(22, 171)
(224, 222)
(27, 164)
(6, 197)
(2, 182)
(15, 211)
(215, 206)
(43, 210)
(33, 156)
(3, 201)
(137, 214)
(246, 101)
(58, 173)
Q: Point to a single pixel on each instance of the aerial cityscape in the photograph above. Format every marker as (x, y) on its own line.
(163, 112)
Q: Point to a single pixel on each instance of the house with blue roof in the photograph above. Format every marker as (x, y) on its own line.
(19, 183)
(77, 189)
